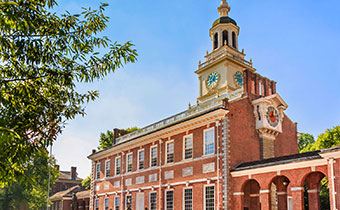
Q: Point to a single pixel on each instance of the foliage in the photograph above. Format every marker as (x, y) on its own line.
(31, 194)
(106, 139)
(43, 56)
(86, 183)
(330, 138)
(305, 141)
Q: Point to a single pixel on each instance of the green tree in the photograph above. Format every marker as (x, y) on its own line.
(330, 138)
(43, 57)
(31, 194)
(86, 183)
(305, 141)
(106, 139)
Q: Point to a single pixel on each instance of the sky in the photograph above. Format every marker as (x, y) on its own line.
(295, 43)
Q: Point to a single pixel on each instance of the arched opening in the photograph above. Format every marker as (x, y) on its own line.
(316, 192)
(251, 195)
(278, 193)
(215, 41)
(225, 38)
(234, 40)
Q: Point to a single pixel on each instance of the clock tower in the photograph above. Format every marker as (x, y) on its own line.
(222, 70)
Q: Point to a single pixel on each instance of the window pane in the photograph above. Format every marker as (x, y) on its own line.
(210, 198)
(169, 200)
(96, 204)
(153, 201)
(188, 147)
(128, 201)
(107, 168)
(209, 141)
(118, 165)
(141, 159)
(188, 199)
(129, 162)
(153, 156)
(106, 203)
(98, 171)
(170, 152)
(117, 203)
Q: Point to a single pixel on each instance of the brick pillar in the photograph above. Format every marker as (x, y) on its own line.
(265, 199)
(282, 200)
(314, 199)
(298, 199)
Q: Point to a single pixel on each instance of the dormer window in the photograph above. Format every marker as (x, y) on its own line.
(225, 38)
(215, 41)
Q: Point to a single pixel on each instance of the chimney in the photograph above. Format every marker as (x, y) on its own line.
(73, 173)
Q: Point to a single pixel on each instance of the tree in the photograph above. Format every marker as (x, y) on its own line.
(86, 183)
(31, 194)
(330, 138)
(43, 56)
(106, 139)
(305, 141)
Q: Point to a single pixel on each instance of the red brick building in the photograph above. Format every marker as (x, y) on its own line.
(234, 149)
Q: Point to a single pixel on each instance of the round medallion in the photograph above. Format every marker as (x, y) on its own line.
(238, 78)
(212, 80)
(272, 116)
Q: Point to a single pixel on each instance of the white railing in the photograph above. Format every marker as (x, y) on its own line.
(193, 111)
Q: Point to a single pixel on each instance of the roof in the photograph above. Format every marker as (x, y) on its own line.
(83, 194)
(65, 193)
(284, 159)
(66, 175)
(225, 19)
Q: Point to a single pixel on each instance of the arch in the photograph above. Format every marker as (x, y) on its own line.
(225, 39)
(215, 40)
(251, 195)
(316, 183)
(234, 39)
(279, 193)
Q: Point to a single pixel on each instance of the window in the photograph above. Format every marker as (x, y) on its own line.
(187, 199)
(98, 171)
(209, 193)
(187, 143)
(117, 202)
(225, 38)
(106, 204)
(107, 168)
(153, 157)
(141, 159)
(215, 41)
(169, 152)
(118, 165)
(129, 159)
(234, 40)
(153, 200)
(209, 141)
(169, 200)
(128, 201)
(96, 204)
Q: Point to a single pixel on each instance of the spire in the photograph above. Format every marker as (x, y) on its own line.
(224, 8)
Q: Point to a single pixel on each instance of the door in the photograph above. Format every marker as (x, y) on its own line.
(140, 201)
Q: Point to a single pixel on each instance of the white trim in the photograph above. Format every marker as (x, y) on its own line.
(106, 168)
(204, 195)
(296, 189)
(192, 146)
(238, 193)
(192, 197)
(264, 191)
(141, 150)
(154, 146)
(166, 151)
(127, 164)
(165, 199)
(151, 192)
(207, 130)
(120, 171)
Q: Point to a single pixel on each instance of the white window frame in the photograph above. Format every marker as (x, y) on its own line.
(165, 200)
(141, 150)
(155, 146)
(204, 195)
(120, 167)
(107, 161)
(126, 200)
(192, 197)
(204, 144)
(150, 199)
(114, 204)
(192, 146)
(107, 203)
(96, 201)
(97, 171)
(127, 162)
(166, 152)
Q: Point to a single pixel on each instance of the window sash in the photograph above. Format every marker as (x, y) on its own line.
(129, 162)
(169, 200)
(154, 154)
(153, 201)
(107, 168)
(141, 159)
(170, 152)
(118, 165)
(209, 142)
(187, 199)
(128, 201)
(98, 171)
(188, 145)
(117, 203)
(210, 198)
(106, 203)
(96, 204)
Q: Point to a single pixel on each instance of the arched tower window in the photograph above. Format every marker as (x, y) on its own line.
(215, 41)
(225, 38)
(234, 40)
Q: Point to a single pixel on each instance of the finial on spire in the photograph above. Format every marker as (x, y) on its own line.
(224, 8)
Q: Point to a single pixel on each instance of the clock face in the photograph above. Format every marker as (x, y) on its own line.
(238, 78)
(212, 80)
(272, 116)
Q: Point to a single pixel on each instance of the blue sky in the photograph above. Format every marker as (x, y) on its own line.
(295, 43)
